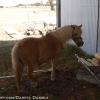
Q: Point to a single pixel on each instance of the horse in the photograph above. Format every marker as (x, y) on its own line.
(29, 51)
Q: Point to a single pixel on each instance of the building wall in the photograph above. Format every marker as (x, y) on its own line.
(98, 46)
(98, 49)
(83, 12)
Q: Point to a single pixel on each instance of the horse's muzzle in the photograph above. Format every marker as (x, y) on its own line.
(80, 44)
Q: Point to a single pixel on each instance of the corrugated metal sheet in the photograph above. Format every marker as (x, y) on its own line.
(83, 12)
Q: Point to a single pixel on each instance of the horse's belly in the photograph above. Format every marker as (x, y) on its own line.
(46, 56)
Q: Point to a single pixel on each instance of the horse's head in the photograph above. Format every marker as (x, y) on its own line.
(76, 35)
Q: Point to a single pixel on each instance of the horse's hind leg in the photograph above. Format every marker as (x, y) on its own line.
(18, 79)
(30, 71)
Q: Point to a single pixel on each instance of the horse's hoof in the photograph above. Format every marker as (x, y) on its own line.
(34, 84)
(52, 79)
(21, 92)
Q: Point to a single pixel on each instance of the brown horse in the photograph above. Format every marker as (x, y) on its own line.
(29, 51)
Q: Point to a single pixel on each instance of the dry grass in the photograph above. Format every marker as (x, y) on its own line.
(16, 16)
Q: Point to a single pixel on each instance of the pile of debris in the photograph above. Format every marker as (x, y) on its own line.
(90, 70)
(31, 31)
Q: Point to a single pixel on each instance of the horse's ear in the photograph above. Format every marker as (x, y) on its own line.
(73, 27)
(80, 26)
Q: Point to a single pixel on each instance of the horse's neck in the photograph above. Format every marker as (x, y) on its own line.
(63, 34)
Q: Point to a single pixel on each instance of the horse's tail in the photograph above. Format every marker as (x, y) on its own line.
(17, 65)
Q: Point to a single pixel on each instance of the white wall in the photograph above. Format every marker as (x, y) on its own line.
(83, 12)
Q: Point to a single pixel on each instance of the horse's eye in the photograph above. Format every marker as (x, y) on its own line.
(75, 34)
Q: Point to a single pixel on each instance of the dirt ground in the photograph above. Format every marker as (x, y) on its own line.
(65, 87)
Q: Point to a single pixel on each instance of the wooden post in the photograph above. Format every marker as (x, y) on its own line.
(12, 76)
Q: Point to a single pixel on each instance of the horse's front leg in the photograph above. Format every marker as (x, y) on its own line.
(53, 64)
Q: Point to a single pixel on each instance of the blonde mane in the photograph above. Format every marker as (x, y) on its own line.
(63, 34)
